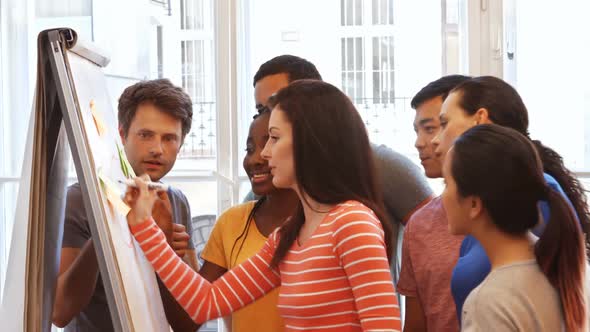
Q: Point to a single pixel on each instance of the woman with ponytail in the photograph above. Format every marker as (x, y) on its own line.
(485, 100)
(331, 258)
(241, 231)
(494, 181)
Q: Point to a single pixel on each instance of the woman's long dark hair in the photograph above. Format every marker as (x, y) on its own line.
(244, 235)
(331, 151)
(510, 192)
(506, 108)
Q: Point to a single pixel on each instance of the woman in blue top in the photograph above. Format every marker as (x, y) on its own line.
(488, 99)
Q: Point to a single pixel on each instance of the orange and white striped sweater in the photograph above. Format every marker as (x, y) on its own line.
(338, 280)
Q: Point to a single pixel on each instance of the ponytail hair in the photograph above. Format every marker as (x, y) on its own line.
(573, 189)
(561, 254)
(511, 193)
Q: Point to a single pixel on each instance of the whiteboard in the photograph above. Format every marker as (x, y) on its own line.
(89, 119)
(138, 277)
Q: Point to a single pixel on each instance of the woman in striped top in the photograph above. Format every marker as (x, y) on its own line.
(331, 257)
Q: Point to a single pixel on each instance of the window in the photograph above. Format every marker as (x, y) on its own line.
(379, 52)
(196, 170)
(379, 47)
(546, 56)
(353, 67)
(383, 70)
(193, 14)
(197, 80)
(368, 78)
(135, 55)
(198, 76)
(367, 51)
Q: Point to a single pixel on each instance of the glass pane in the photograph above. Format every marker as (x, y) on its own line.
(8, 194)
(349, 12)
(350, 54)
(452, 11)
(377, 65)
(376, 87)
(192, 14)
(383, 68)
(200, 16)
(160, 51)
(391, 69)
(391, 86)
(390, 11)
(375, 57)
(53, 8)
(182, 14)
(359, 86)
(375, 11)
(342, 12)
(551, 75)
(343, 53)
(351, 85)
(452, 46)
(188, 15)
(187, 59)
(346, 84)
(198, 82)
(358, 12)
(359, 54)
(383, 12)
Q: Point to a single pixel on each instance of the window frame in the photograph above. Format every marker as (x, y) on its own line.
(367, 31)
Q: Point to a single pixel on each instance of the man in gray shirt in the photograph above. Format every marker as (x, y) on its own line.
(154, 117)
(403, 184)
